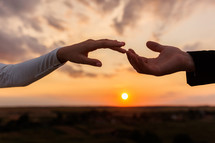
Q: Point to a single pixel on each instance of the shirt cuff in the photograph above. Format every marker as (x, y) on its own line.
(204, 69)
(56, 60)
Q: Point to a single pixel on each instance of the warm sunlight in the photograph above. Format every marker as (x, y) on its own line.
(124, 96)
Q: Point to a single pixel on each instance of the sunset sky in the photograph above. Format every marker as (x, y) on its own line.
(30, 28)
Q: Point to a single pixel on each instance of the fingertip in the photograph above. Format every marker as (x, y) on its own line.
(98, 64)
(118, 49)
(122, 50)
(92, 62)
(148, 43)
(132, 50)
(122, 43)
(129, 51)
(151, 43)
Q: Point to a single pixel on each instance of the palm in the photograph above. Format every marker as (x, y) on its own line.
(168, 61)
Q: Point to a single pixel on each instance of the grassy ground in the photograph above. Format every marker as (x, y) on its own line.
(107, 125)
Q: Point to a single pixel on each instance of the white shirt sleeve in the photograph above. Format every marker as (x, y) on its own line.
(23, 74)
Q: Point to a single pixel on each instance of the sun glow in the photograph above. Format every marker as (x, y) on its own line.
(124, 96)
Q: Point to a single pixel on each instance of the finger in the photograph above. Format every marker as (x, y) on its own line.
(133, 61)
(129, 57)
(155, 46)
(119, 49)
(135, 58)
(132, 51)
(92, 62)
(140, 64)
(105, 43)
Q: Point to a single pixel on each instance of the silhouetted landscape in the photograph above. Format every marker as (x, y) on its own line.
(107, 125)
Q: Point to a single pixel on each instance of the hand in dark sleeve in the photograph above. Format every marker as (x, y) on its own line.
(170, 60)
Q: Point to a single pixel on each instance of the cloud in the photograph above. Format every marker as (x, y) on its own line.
(104, 6)
(107, 5)
(33, 44)
(18, 7)
(76, 73)
(83, 18)
(10, 47)
(167, 10)
(14, 47)
(14, 44)
(25, 12)
(32, 22)
(68, 4)
(131, 14)
(84, 2)
(193, 47)
(56, 23)
(57, 44)
(21, 9)
(164, 12)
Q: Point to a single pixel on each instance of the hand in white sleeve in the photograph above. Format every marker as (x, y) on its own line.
(23, 74)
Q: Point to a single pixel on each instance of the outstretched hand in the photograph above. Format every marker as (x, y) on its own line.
(170, 60)
(78, 53)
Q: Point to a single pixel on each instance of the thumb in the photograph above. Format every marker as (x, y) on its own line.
(92, 62)
(155, 46)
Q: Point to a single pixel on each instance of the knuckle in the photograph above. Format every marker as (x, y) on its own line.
(90, 40)
(177, 48)
(104, 41)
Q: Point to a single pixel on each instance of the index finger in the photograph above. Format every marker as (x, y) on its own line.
(106, 43)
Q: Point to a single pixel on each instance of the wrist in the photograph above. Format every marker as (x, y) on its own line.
(61, 55)
(190, 66)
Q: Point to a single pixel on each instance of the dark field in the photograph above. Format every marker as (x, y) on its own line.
(107, 125)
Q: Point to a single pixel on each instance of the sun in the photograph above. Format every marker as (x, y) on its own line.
(124, 96)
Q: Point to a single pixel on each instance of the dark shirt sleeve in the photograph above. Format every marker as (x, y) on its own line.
(204, 68)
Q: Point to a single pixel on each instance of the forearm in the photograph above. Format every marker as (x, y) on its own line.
(25, 73)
